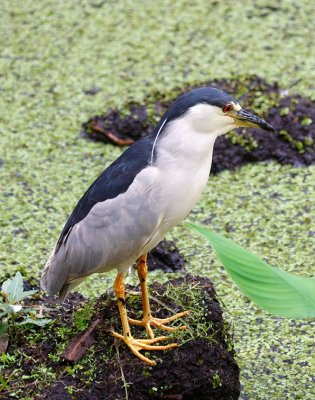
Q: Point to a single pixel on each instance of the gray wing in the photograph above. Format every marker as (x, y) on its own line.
(112, 235)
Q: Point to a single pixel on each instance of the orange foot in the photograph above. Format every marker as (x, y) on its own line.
(136, 345)
(159, 323)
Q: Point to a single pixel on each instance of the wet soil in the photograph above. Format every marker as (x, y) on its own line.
(293, 117)
(201, 367)
(166, 256)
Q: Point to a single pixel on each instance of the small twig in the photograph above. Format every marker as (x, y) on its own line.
(13, 388)
(122, 373)
(80, 343)
(154, 299)
(162, 304)
(4, 342)
(112, 137)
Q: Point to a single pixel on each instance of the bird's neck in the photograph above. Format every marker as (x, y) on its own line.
(183, 160)
(181, 147)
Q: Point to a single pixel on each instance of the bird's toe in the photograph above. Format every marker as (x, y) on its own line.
(136, 345)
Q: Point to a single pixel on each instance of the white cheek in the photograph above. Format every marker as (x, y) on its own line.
(209, 119)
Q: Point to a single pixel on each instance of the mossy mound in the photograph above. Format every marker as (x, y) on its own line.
(201, 367)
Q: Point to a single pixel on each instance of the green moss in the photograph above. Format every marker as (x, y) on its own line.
(216, 380)
(299, 145)
(306, 121)
(308, 141)
(286, 135)
(190, 297)
(246, 141)
(82, 317)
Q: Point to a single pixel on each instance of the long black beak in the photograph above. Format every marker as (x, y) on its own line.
(247, 119)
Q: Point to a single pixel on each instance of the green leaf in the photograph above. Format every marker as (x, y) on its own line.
(13, 288)
(3, 328)
(5, 285)
(3, 308)
(3, 382)
(279, 292)
(15, 308)
(38, 322)
(24, 295)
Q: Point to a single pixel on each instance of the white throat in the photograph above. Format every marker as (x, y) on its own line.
(182, 146)
(189, 139)
(183, 157)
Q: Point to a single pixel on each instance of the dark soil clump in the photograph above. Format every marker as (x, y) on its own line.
(293, 117)
(124, 128)
(292, 143)
(202, 367)
(166, 256)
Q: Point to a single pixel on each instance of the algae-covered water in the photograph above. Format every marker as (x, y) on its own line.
(53, 52)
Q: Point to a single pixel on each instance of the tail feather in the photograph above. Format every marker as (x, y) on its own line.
(55, 278)
(54, 275)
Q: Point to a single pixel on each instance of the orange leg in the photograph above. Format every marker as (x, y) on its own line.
(135, 345)
(147, 319)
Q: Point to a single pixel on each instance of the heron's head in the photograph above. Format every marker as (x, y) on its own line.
(212, 111)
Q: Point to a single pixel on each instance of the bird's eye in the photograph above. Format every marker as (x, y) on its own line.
(227, 108)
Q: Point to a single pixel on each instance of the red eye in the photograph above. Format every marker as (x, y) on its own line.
(227, 108)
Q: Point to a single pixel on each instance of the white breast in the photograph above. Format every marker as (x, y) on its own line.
(184, 159)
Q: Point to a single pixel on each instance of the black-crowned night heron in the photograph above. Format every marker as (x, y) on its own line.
(149, 189)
